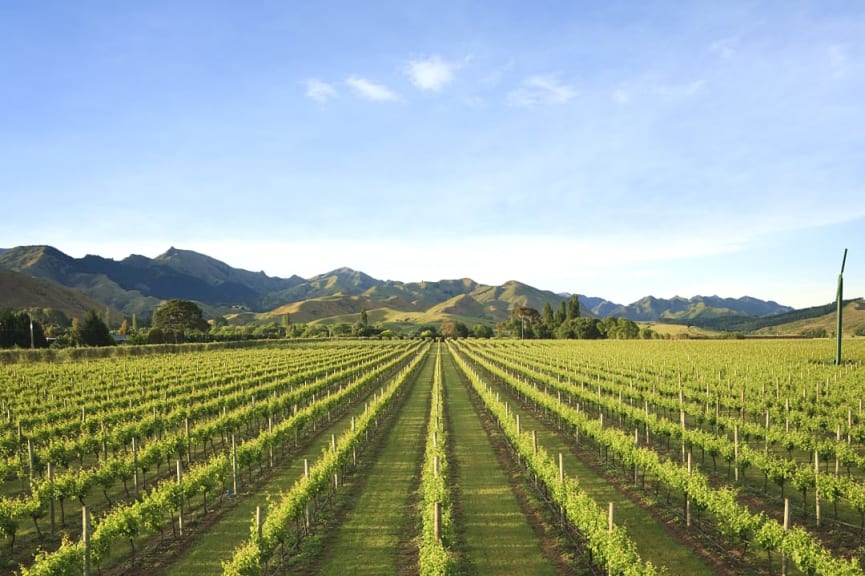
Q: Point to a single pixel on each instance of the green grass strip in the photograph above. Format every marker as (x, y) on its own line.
(368, 541)
(498, 538)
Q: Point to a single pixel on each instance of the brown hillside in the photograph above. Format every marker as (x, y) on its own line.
(462, 305)
(327, 307)
(853, 318)
(19, 291)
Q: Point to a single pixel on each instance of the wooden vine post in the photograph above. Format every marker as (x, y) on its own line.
(816, 486)
(51, 502)
(259, 522)
(437, 521)
(688, 496)
(180, 503)
(85, 539)
(188, 443)
(736, 451)
(135, 464)
(786, 529)
(307, 511)
(611, 513)
(561, 468)
(233, 465)
(270, 432)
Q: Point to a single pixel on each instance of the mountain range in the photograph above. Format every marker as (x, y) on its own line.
(46, 277)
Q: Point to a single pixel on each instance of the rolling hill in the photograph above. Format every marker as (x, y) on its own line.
(137, 284)
(20, 291)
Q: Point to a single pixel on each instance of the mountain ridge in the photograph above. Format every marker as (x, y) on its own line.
(136, 284)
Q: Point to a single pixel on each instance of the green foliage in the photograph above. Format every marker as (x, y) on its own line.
(68, 560)
(452, 329)
(524, 322)
(94, 332)
(482, 331)
(612, 549)
(179, 319)
(435, 556)
(736, 521)
(573, 307)
(15, 330)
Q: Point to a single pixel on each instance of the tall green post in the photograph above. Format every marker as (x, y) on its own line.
(840, 304)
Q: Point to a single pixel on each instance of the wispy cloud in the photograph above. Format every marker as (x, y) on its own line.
(685, 90)
(838, 59)
(370, 90)
(725, 47)
(319, 91)
(621, 95)
(431, 74)
(537, 90)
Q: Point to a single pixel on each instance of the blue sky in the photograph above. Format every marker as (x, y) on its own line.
(614, 149)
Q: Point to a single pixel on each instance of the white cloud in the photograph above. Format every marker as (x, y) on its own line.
(370, 90)
(621, 95)
(686, 90)
(430, 74)
(725, 47)
(838, 59)
(319, 91)
(537, 90)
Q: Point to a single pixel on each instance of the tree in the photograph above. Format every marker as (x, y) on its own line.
(452, 329)
(609, 327)
(361, 327)
(178, 318)
(94, 332)
(574, 307)
(627, 329)
(16, 329)
(561, 313)
(482, 331)
(549, 318)
(523, 321)
(341, 329)
(586, 328)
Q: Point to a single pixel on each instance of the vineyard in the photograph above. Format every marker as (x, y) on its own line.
(456, 457)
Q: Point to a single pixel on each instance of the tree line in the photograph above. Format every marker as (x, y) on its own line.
(566, 322)
(178, 321)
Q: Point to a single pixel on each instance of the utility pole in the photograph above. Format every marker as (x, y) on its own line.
(840, 304)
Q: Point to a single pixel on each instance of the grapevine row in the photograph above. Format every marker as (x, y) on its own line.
(609, 545)
(733, 518)
(275, 531)
(145, 516)
(437, 529)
